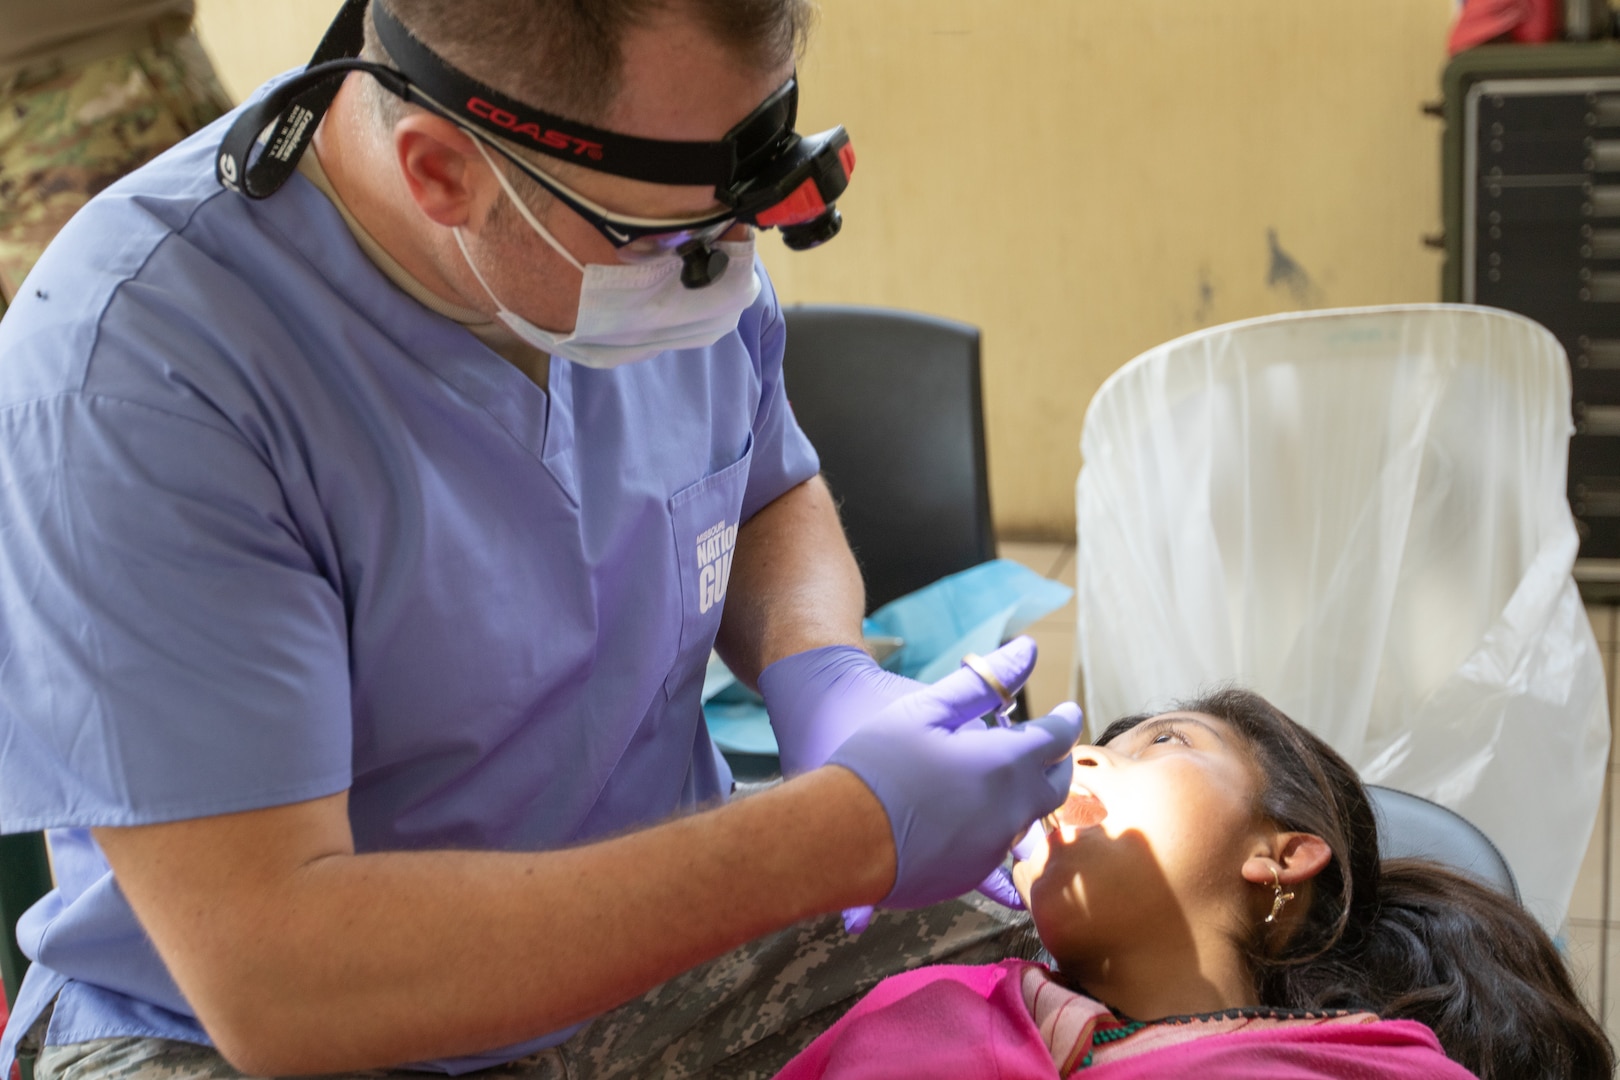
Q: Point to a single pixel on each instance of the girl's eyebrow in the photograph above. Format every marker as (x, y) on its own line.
(1182, 720)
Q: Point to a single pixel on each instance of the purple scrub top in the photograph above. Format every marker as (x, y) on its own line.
(270, 530)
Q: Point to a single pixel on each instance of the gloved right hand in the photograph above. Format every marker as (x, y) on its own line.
(817, 699)
(957, 793)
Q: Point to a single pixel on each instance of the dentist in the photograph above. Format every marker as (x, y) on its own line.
(378, 469)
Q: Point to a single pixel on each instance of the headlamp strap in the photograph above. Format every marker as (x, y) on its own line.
(470, 101)
(296, 107)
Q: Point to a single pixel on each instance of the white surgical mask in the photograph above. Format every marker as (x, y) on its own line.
(633, 311)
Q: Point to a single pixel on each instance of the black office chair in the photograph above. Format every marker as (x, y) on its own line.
(1410, 826)
(25, 876)
(892, 402)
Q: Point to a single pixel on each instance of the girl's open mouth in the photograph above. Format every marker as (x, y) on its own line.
(1081, 810)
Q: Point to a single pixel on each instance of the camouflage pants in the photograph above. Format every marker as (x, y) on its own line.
(739, 1017)
(69, 130)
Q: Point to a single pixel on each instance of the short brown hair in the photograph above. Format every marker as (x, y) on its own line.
(563, 56)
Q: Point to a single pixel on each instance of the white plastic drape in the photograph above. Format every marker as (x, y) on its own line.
(1361, 515)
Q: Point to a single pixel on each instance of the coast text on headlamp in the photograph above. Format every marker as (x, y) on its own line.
(763, 172)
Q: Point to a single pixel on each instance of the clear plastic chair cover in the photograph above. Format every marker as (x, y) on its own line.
(1362, 515)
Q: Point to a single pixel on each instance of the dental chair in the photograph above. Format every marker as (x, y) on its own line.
(1361, 515)
(1411, 827)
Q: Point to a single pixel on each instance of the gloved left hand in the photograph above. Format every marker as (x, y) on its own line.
(819, 698)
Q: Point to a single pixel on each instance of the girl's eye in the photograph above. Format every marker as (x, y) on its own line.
(1169, 735)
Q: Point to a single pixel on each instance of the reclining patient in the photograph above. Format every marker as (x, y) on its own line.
(1217, 908)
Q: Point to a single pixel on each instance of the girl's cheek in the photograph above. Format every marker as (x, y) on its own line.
(1024, 873)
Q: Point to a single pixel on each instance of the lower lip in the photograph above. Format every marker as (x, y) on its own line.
(1081, 811)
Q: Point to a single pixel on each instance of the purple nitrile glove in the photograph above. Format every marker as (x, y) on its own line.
(999, 885)
(818, 698)
(957, 793)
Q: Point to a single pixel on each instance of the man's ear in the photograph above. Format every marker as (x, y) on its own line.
(1295, 856)
(445, 174)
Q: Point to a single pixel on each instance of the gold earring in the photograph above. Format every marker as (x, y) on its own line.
(1279, 899)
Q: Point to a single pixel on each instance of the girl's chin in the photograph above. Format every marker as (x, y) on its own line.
(1068, 834)
(1024, 875)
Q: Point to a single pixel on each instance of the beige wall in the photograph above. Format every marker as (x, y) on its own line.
(251, 40)
(1086, 179)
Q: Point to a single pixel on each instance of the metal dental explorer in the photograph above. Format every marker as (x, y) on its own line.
(976, 664)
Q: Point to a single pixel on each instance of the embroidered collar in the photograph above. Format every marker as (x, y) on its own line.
(1080, 1031)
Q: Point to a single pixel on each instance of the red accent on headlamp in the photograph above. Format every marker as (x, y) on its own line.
(846, 158)
(804, 204)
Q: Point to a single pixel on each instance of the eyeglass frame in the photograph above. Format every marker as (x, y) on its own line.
(620, 230)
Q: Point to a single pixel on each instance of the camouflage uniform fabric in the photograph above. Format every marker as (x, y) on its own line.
(69, 129)
(740, 1017)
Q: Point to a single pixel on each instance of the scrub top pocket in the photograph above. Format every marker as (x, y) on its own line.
(705, 518)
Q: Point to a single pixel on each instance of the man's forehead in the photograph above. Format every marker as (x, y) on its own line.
(678, 82)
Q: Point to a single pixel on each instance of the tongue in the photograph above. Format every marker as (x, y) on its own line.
(1082, 810)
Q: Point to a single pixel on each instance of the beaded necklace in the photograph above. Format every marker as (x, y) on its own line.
(1111, 1035)
(1246, 1012)
(1128, 1028)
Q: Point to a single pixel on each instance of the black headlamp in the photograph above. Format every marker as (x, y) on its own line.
(763, 172)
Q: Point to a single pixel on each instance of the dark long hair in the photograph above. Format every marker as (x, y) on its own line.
(1406, 939)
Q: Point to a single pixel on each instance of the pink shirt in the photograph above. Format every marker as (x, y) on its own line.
(1009, 1021)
